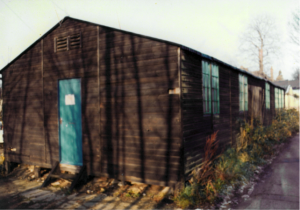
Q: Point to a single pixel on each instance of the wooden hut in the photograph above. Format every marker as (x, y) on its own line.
(124, 105)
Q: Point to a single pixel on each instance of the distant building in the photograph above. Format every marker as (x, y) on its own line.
(263, 74)
(291, 98)
(292, 91)
(280, 77)
(244, 68)
(285, 83)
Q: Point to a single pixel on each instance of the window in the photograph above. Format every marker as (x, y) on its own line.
(282, 98)
(206, 87)
(279, 98)
(210, 88)
(215, 89)
(267, 96)
(243, 81)
(276, 98)
(67, 43)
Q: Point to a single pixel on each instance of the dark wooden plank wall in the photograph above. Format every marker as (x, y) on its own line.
(272, 103)
(23, 108)
(75, 63)
(131, 124)
(269, 113)
(198, 126)
(236, 115)
(140, 128)
(256, 99)
(222, 122)
(126, 81)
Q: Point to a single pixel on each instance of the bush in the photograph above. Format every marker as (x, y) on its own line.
(254, 143)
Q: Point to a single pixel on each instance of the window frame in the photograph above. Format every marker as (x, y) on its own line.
(267, 95)
(210, 88)
(215, 89)
(279, 98)
(243, 92)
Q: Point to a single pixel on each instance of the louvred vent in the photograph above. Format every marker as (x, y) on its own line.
(61, 44)
(75, 41)
(67, 43)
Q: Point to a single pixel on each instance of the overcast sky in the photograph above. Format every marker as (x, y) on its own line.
(212, 27)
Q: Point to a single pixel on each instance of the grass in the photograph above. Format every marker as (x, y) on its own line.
(254, 144)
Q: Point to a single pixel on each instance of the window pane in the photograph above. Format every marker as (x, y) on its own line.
(210, 87)
(206, 86)
(242, 89)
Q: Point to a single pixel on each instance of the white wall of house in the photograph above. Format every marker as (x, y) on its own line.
(291, 98)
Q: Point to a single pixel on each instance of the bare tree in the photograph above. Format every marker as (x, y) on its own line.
(260, 41)
(295, 27)
(294, 32)
(295, 74)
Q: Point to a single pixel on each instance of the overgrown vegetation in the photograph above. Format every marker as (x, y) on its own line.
(1, 159)
(237, 164)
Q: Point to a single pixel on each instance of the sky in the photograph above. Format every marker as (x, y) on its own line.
(213, 27)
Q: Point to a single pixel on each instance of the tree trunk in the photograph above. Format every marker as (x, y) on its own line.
(261, 60)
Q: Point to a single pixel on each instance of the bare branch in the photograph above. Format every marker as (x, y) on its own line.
(260, 41)
(296, 74)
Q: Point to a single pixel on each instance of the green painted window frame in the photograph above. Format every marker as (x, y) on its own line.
(243, 89)
(210, 88)
(282, 98)
(267, 88)
(276, 98)
(206, 87)
(279, 98)
(215, 89)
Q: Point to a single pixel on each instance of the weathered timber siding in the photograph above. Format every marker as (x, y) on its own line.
(222, 122)
(131, 124)
(197, 126)
(140, 128)
(235, 106)
(133, 128)
(76, 63)
(23, 108)
(256, 100)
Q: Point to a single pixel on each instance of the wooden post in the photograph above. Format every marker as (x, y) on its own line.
(53, 171)
(230, 110)
(42, 71)
(98, 81)
(37, 171)
(182, 158)
(8, 167)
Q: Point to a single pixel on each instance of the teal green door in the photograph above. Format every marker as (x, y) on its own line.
(70, 129)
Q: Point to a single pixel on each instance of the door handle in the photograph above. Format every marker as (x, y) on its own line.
(60, 120)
